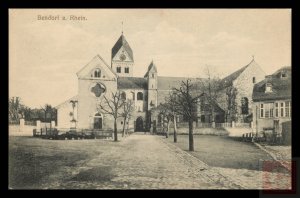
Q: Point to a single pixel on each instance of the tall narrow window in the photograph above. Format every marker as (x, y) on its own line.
(271, 107)
(127, 70)
(245, 108)
(276, 109)
(118, 69)
(287, 109)
(268, 108)
(281, 109)
(261, 110)
(253, 80)
(152, 75)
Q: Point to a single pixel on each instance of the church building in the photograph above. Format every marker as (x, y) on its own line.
(98, 79)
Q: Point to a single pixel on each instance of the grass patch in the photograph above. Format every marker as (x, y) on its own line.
(222, 151)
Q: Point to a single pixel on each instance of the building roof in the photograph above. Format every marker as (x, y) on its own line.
(281, 86)
(94, 62)
(121, 42)
(149, 68)
(166, 83)
(66, 102)
(228, 80)
(132, 83)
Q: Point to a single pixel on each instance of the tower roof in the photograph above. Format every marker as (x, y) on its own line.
(149, 68)
(121, 43)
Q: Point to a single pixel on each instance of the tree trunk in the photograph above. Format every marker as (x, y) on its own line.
(175, 129)
(163, 124)
(191, 138)
(168, 127)
(124, 125)
(213, 113)
(115, 130)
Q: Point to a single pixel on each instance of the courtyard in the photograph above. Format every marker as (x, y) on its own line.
(137, 162)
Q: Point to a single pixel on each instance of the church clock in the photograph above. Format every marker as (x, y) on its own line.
(122, 57)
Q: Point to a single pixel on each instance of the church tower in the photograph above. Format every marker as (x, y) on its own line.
(122, 58)
(151, 76)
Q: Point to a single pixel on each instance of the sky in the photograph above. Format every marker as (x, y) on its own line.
(44, 55)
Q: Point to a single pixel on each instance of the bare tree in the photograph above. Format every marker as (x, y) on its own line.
(112, 106)
(128, 109)
(163, 109)
(170, 104)
(14, 108)
(185, 100)
(210, 86)
(231, 93)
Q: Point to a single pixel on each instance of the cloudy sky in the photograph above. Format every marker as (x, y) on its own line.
(44, 55)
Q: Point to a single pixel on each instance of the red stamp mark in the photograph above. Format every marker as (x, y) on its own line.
(278, 177)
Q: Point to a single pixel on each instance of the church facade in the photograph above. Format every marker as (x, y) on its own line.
(98, 79)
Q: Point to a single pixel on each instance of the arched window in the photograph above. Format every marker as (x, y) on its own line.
(244, 103)
(123, 96)
(139, 96)
(98, 121)
(97, 115)
(97, 73)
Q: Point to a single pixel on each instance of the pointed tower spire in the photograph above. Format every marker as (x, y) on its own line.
(122, 27)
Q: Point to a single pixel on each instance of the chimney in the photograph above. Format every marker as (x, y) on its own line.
(268, 77)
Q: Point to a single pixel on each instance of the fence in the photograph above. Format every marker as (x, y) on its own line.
(243, 125)
(17, 122)
(223, 125)
(204, 125)
(209, 125)
(30, 123)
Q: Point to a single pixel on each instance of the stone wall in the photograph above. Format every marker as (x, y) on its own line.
(244, 84)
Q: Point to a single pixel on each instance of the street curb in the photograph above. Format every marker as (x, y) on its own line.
(272, 155)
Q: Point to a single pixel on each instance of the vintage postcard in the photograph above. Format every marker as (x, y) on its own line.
(150, 99)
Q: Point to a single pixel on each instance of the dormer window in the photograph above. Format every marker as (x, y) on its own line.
(97, 73)
(283, 75)
(268, 88)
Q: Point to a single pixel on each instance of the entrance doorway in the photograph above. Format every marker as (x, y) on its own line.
(97, 121)
(139, 124)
